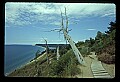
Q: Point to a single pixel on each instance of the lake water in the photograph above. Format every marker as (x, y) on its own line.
(18, 55)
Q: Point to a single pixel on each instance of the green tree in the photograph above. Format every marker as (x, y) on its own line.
(79, 43)
(111, 28)
(98, 36)
(92, 41)
(87, 42)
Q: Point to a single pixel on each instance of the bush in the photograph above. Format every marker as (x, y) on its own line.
(65, 66)
(106, 58)
(84, 51)
(73, 66)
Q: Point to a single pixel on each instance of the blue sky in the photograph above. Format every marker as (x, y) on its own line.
(27, 23)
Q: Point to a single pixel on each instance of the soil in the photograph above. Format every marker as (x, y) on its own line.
(87, 73)
(110, 68)
(86, 70)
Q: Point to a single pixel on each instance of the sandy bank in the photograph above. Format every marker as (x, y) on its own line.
(38, 58)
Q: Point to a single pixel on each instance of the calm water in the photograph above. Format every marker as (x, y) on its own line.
(18, 55)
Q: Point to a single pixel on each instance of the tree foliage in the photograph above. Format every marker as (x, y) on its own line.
(103, 43)
(111, 28)
(65, 66)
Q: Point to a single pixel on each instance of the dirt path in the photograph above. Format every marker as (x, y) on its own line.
(86, 70)
(110, 68)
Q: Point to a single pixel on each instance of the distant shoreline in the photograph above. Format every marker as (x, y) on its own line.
(51, 45)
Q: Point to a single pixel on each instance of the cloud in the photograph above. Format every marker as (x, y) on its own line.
(56, 23)
(20, 14)
(52, 41)
(108, 14)
(91, 29)
(56, 41)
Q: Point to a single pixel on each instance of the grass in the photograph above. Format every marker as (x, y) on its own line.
(66, 66)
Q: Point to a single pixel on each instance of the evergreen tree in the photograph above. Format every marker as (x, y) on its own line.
(111, 28)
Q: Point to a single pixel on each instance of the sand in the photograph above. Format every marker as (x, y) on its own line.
(87, 72)
(110, 68)
(38, 58)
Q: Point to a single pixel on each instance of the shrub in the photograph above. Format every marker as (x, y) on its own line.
(84, 51)
(65, 66)
(106, 58)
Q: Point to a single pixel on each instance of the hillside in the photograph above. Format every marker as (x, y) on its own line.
(103, 44)
(56, 68)
(67, 66)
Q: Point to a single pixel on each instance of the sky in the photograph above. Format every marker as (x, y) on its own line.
(30, 23)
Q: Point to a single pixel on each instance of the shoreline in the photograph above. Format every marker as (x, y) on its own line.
(26, 64)
(35, 59)
(25, 57)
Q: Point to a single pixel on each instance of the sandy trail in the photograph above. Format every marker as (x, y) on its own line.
(110, 68)
(87, 72)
